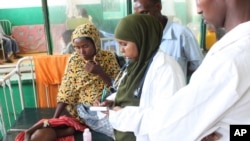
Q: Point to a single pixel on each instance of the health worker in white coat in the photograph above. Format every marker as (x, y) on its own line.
(218, 94)
(151, 74)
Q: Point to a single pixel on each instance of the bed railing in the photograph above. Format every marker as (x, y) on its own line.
(12, 101)
(28, 68)
(2, 127)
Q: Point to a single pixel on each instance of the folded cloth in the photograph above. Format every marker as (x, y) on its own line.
(50, 68)
(96, 120)
(55, 122)
(49, 73)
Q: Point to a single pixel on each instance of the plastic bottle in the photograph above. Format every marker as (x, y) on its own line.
(87, 135)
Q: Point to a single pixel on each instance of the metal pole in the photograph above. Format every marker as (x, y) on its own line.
(129, 7)
(47, 26)
(203, 35)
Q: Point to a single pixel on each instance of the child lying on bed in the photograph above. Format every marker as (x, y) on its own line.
(54, 129)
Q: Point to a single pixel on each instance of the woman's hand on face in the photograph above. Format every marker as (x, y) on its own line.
(93, 67)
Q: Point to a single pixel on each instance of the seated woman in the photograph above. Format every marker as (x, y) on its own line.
(10, 46)
(88, 72)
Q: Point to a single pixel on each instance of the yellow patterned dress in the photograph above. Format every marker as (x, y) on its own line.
(78, 85)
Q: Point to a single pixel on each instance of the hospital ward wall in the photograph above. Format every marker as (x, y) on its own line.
(28, 25)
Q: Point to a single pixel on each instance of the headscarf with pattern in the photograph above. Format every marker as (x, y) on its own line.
(87, 30)
(80, 86)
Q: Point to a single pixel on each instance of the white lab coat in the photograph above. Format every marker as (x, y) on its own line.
(217, 96)
(163, 79)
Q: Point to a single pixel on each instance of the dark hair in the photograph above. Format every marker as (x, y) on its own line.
(67, 35)
(83, 12)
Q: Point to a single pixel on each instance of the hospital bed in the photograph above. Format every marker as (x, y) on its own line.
(20, 108)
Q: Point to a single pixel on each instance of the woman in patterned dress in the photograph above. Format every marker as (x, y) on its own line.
(89, 71)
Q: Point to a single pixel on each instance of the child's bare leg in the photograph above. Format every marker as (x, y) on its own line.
(31, 130)
(64, 131)
(44, 134)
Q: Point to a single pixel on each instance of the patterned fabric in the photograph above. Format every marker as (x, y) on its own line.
(49, 73)
(96, 120)
(87, 30)
(80, 86)
(32, 38)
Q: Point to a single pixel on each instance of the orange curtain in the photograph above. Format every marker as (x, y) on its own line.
(49, 71)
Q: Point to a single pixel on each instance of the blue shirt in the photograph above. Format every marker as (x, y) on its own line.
(180, 43)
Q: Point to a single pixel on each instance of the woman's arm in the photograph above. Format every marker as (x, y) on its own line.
(60, 107)
(95, 68)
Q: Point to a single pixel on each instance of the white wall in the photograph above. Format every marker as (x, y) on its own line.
(168, 7)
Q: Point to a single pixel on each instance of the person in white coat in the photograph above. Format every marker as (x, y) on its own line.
(151, 75)
(218, 94)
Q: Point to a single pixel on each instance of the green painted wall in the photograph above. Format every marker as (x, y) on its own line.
(23, 16)
(34, 15)
(57, 15)
(181, 11)
(96, 11)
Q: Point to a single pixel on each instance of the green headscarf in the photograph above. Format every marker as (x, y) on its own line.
(146, 32)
